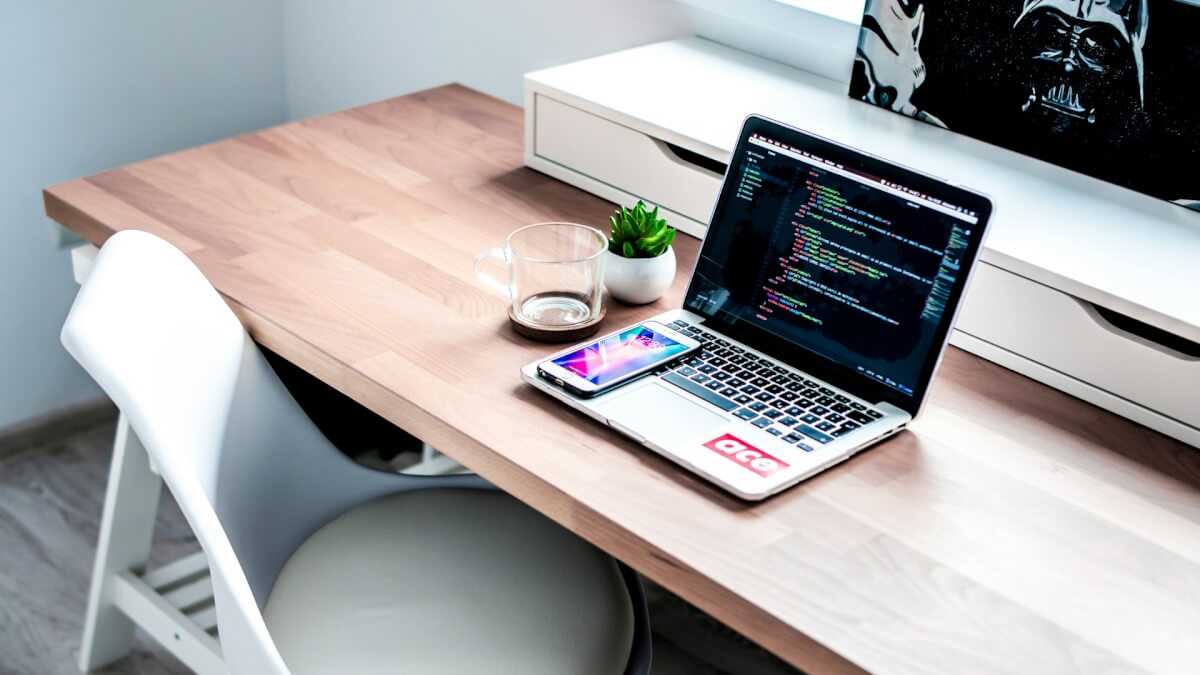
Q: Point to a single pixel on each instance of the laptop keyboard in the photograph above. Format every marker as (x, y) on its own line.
(783, 403)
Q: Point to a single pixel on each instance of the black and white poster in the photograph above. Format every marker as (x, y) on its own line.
(1110, 88)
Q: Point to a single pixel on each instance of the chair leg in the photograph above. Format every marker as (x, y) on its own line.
(126, 533)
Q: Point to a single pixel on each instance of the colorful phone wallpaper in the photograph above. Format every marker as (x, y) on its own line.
(618, 355)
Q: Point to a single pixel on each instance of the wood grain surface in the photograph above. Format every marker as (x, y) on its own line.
(1013, 529)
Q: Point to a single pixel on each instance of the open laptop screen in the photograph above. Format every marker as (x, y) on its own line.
(853, 259)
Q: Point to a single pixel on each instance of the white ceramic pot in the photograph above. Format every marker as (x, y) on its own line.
(639, 280)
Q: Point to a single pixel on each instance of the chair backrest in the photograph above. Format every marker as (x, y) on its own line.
(251, 473)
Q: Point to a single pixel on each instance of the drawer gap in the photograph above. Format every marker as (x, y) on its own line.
(1145, 331)
(695, 159)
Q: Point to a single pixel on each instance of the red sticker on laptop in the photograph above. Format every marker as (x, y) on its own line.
(740, 452)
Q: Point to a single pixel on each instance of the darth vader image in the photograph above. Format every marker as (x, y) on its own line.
(1082, 61)
(1104, 87)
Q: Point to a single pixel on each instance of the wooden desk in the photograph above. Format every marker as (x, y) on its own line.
(1014, 529)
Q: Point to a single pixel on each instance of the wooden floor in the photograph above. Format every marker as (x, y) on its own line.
(51, 493)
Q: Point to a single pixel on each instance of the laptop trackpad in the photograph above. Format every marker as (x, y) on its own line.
(656, 411)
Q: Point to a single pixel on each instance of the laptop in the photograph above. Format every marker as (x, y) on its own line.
(824, 294)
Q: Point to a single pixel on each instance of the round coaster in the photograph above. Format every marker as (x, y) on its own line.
(571, 333)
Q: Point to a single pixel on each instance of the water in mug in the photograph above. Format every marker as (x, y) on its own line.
(556, 308)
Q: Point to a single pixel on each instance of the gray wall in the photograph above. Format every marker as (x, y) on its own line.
(341, 54)
(91, 84)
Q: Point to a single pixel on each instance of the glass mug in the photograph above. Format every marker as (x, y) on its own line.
(555, 273)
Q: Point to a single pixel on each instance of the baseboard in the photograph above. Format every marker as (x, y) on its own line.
(55, 425)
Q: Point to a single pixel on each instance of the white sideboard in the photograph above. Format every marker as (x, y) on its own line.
(1085, 286)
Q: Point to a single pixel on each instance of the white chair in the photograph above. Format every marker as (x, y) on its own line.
(320, 565)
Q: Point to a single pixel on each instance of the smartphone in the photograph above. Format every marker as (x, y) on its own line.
(613, 360)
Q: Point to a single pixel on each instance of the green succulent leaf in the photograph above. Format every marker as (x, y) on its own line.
(639, 232)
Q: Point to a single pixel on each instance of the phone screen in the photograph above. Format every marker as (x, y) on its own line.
(619, 355)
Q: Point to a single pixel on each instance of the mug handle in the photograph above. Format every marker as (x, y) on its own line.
(489, 280)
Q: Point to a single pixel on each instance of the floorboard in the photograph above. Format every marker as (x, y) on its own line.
(51, 496)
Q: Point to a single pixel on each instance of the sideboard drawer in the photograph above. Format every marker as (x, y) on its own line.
(1068, 335)
(623, 158)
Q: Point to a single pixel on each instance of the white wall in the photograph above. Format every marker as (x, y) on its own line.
(819, 36)
(340, 54)
(87, 85)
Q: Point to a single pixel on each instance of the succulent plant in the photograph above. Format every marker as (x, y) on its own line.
(639, 233)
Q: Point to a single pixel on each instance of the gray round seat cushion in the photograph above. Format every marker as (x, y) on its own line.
(446, 582)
